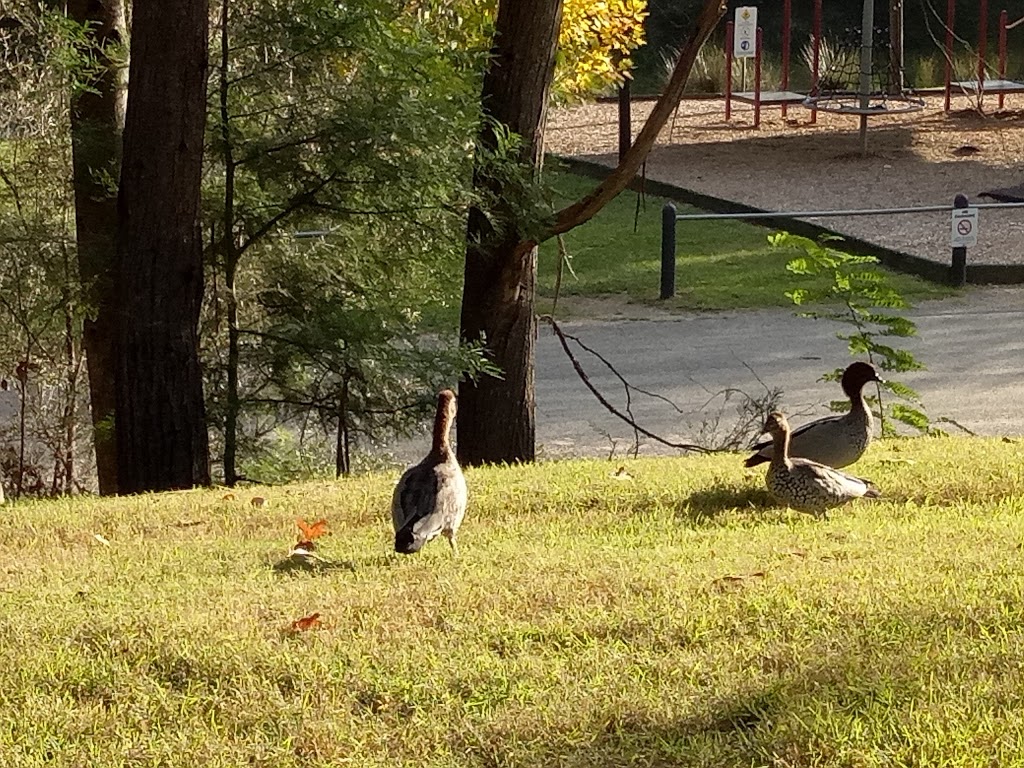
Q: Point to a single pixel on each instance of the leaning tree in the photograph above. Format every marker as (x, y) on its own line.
(496, 415)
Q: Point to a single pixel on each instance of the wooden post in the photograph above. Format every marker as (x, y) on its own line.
(958, 266)
(895, 47)
(948, 50)
(625, 120)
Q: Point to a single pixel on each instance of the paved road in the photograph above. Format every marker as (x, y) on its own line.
(973, 347)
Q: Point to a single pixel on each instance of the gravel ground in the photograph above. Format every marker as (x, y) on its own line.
(921, 158)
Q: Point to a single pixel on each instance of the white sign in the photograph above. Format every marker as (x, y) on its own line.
(964, 230)
(744, 32)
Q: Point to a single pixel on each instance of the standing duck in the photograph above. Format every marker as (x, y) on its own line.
(835, 441)
(430, 498)
(806, 485)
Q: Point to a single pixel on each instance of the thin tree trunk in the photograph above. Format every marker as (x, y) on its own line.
(496, 415)
(342, 465)
(162, 441)
(22, 372)
(230, 262)
(97, 120)
(71, 403)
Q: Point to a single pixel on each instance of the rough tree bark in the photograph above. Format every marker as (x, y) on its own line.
(97, 119)
(496, 415)
(162, 442)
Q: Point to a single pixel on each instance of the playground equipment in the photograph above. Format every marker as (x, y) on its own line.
(879, 84)
(980, 85)
(783, 97)
(879, 90)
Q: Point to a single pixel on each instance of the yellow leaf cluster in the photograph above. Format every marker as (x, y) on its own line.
(594, 42)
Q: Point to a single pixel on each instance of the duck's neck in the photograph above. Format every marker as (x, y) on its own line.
(859, 407)
(780, 454)
(441, 448)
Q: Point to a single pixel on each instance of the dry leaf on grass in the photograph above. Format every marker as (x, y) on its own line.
(306, 623)
(311, 531)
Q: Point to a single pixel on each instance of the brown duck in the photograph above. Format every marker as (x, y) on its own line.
(806, 485)
(430, 498)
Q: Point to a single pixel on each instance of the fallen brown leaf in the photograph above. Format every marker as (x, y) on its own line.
(306, 623)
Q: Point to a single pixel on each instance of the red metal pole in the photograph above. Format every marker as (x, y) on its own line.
(787, 14)
(757, 80)
(729, 42)
(948, 51)
(982, 43)
(1003, 21)
(815, 55)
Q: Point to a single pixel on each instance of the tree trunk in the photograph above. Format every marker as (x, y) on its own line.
(97, 119)
(162, 441)
(496, 415)
(230, 251)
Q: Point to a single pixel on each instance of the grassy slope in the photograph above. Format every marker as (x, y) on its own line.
(720, 264)
(586, 623)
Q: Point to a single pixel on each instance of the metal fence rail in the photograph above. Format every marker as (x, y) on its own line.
(669, 217)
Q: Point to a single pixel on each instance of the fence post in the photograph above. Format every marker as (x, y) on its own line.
(625, 119)
(958, 267)
(668, 251)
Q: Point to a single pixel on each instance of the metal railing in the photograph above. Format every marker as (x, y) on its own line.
(669, 217)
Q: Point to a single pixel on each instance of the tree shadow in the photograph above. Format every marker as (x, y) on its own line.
(737, 727)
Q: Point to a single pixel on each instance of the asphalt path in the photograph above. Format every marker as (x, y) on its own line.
(973, 347)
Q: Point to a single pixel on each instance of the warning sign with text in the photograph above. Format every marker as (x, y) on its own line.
(964, 230)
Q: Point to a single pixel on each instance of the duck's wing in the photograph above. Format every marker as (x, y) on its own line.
(832, 482)
(414, 496)
(801, 440)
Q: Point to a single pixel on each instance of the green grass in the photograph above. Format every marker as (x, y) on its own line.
(720, 264)
(674, 617)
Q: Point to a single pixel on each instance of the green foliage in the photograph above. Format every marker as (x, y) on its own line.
(340, 340)
(353, 124)
(853, 296)
(41, 307)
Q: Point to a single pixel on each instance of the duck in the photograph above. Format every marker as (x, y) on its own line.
(805, 485)
(430, 498)
(835, 441)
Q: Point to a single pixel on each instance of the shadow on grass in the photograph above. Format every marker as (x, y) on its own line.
(710, 502)
(300, 564)
(737, 727)
(321, 565)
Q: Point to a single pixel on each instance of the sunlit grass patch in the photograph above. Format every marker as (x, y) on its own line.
(720, 264)
(667, 614)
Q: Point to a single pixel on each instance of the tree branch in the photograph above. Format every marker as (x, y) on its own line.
(583, 210)
(601, 399)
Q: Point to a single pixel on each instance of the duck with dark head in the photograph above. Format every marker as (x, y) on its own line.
(835, 441)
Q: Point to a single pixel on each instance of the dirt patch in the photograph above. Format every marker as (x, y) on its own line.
(921, 158)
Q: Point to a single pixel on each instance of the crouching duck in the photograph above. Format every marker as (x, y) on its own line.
(430, 498)
(835, 441)
(806, 485)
